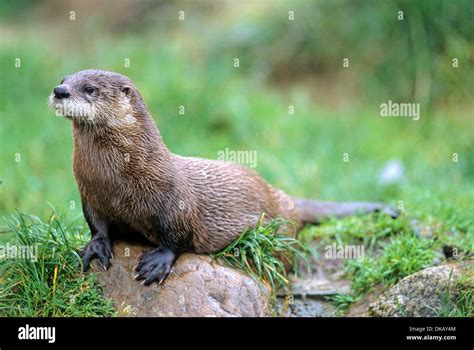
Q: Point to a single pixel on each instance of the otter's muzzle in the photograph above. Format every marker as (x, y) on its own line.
(61, 92)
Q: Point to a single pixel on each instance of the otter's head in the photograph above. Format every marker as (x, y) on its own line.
(98, 98)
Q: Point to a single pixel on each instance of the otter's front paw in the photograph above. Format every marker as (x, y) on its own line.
(155, 265)
(98, 247)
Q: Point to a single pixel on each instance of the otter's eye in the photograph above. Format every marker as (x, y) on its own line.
(89, 90)
(62, 80)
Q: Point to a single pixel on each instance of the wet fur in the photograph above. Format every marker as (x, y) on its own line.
(130, 183)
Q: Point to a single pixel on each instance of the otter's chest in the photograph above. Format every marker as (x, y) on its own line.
(109, 190)
(116, 198)
(118, 203)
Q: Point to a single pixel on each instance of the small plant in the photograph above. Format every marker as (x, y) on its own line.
(51, 283)
(262, 251)
(458, 298)
(404, 255)
(342, 301)
(369, 230)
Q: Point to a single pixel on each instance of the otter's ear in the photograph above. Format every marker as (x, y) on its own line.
(126, 90)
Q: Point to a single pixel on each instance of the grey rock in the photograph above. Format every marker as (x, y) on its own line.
(319, 288)
(422, 230)
(422, 294)
(309, 291)
(197, 286)
(305, 307)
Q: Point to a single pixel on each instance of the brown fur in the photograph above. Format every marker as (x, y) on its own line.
(126, 175)
(134, 181)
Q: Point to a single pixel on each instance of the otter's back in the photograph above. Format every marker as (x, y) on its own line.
(231, 198)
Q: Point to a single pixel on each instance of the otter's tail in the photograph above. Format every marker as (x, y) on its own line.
(311, 211)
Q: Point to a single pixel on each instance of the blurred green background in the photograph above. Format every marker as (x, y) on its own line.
(282, 63)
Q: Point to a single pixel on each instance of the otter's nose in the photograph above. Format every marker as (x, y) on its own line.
(61, 91)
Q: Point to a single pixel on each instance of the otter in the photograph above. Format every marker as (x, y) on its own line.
(130, 182)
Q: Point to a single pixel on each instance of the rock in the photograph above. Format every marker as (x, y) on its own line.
(425, 293)
(317, 288)
(360, 307)
(423, 230)
(197, 286)
(309, 291)
(325, 278)
(304, 307)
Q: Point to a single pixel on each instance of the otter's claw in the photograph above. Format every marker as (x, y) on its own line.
(98, 247)
(155, 265)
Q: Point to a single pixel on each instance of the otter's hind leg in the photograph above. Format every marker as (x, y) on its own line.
(100, 245)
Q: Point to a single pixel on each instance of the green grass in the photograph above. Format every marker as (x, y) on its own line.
(401, 256)
(393, 249)
(225, 107)
(458, 300)
(52, 284)
(342, 301)
(367, 230)
(262, 252)
(238, 108)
